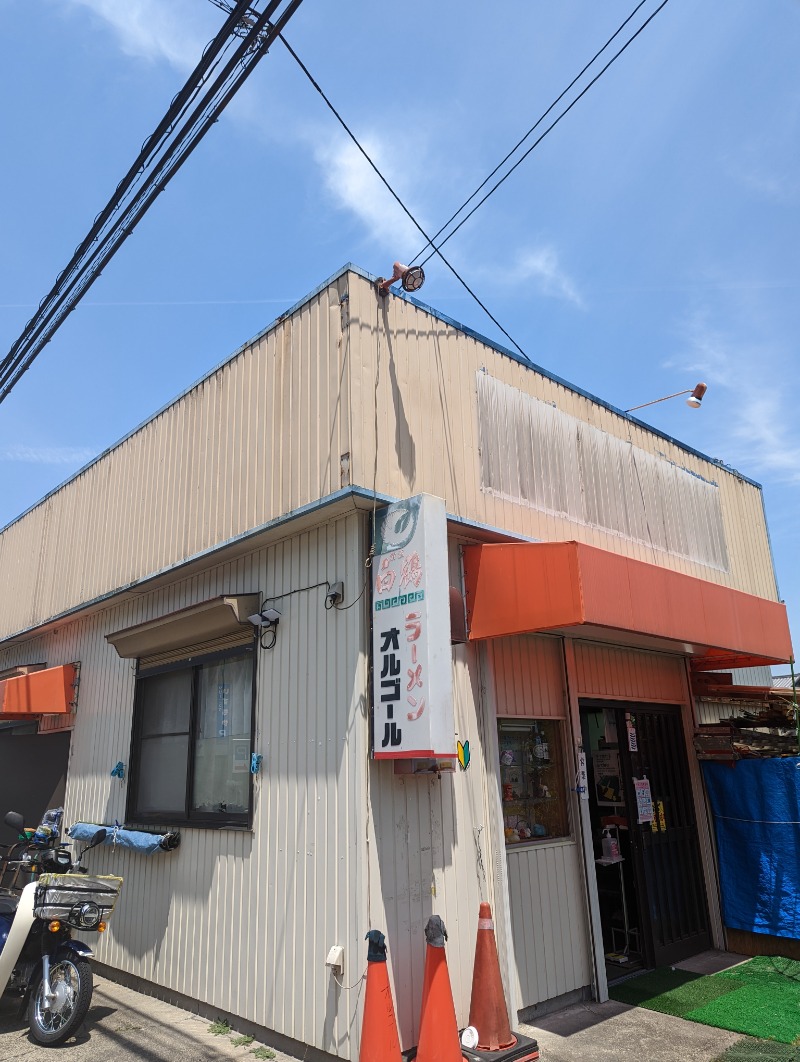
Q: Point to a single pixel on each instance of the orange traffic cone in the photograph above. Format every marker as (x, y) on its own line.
(379, 1039)
(488, 1012)
(438, 1029)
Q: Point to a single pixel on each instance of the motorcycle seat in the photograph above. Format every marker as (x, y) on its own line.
(8, 904)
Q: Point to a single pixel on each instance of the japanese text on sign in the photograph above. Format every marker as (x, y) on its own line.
(411, 632)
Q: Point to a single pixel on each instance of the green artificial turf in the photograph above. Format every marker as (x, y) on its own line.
(754, 998)
(750, 1050)
(671, 991)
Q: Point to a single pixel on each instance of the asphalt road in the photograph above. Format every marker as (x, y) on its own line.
(125, 1026)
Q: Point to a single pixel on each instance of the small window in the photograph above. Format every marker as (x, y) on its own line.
(532, 780)
(192, 742)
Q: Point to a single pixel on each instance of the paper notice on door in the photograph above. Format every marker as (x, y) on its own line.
(607, 779)
(644, 799)
(633, 741)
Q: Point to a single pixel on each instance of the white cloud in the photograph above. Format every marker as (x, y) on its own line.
(762, 435)
(47, 455)
(543, 268)
(540, 268)
(354, 186)
(151, 29)
(769, 185)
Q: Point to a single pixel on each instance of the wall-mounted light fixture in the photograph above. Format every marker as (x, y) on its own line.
(266, 621)
(411, 277)
(695, 399)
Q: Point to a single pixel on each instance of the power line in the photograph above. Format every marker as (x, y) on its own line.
(397, 198)
(193, 111)
(539, 139)
(532, 129)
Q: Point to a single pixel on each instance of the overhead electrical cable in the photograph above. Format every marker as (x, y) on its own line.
(538, 140)
(397, 198)
(532, 129)
(145, 158)
(209, 89)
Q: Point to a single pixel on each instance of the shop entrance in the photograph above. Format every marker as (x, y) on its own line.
(651, 892)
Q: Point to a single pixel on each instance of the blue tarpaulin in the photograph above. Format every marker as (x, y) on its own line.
(756, 809)
(134, 839)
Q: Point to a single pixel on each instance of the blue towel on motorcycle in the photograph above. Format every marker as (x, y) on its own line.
(133, 839)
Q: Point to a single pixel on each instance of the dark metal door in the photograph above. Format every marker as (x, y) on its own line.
(666, 852)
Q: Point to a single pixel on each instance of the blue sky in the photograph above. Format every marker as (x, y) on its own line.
(651, 241)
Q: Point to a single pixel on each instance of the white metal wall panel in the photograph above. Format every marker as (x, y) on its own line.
(535, 454)
(629, 674)
(424, 372)
(260, 437)
(550, 946)
(264, 434)
(430, 853)
(243, 920)
(548, 918)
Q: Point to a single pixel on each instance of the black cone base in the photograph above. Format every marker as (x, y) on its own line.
(524, 1049)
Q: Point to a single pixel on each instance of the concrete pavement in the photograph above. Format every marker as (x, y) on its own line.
(614, 1032)
(125, 1026)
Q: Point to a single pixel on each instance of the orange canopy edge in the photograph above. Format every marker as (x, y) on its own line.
(521, 587)
(47, 692)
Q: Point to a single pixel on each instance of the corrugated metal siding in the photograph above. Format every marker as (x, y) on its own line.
(548, 918)
(424, 372)
(425, 833)
(629, 674)
(257, 439)
(430, 852)
(548, 921)
(528, 675)
(244, 920)
(535, 454)
(709, 711)
(264, 435)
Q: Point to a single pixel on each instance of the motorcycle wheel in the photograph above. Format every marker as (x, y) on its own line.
(52, 1021)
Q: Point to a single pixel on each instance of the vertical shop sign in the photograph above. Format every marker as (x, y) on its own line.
(411, 657)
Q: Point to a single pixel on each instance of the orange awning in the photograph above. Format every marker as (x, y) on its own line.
(47, 692)
(518, 588)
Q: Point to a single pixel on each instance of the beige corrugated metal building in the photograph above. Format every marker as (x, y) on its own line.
(258, 485)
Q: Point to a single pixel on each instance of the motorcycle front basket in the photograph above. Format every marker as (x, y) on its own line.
(76, 899)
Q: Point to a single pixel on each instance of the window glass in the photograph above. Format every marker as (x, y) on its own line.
(162, 774)
(222, 749)
(533, 786)
(192, 731)
(165, 702)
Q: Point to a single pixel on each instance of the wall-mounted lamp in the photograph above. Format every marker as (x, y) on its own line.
(695, 399)
(411, 277)
(267, 621)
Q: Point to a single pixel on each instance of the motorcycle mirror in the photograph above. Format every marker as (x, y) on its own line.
(15, 821)
(97, 839)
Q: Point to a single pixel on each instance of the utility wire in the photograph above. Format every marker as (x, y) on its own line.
(532, 129)
(161, 157)
(535, 144)
(397, 198)
(146, 155)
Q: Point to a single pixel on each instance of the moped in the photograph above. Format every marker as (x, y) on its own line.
(44, 898)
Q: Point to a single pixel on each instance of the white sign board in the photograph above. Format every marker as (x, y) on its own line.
(412, 678)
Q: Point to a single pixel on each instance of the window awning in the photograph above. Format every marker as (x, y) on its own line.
(196, 625)
(570, 587)
(45, 692)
